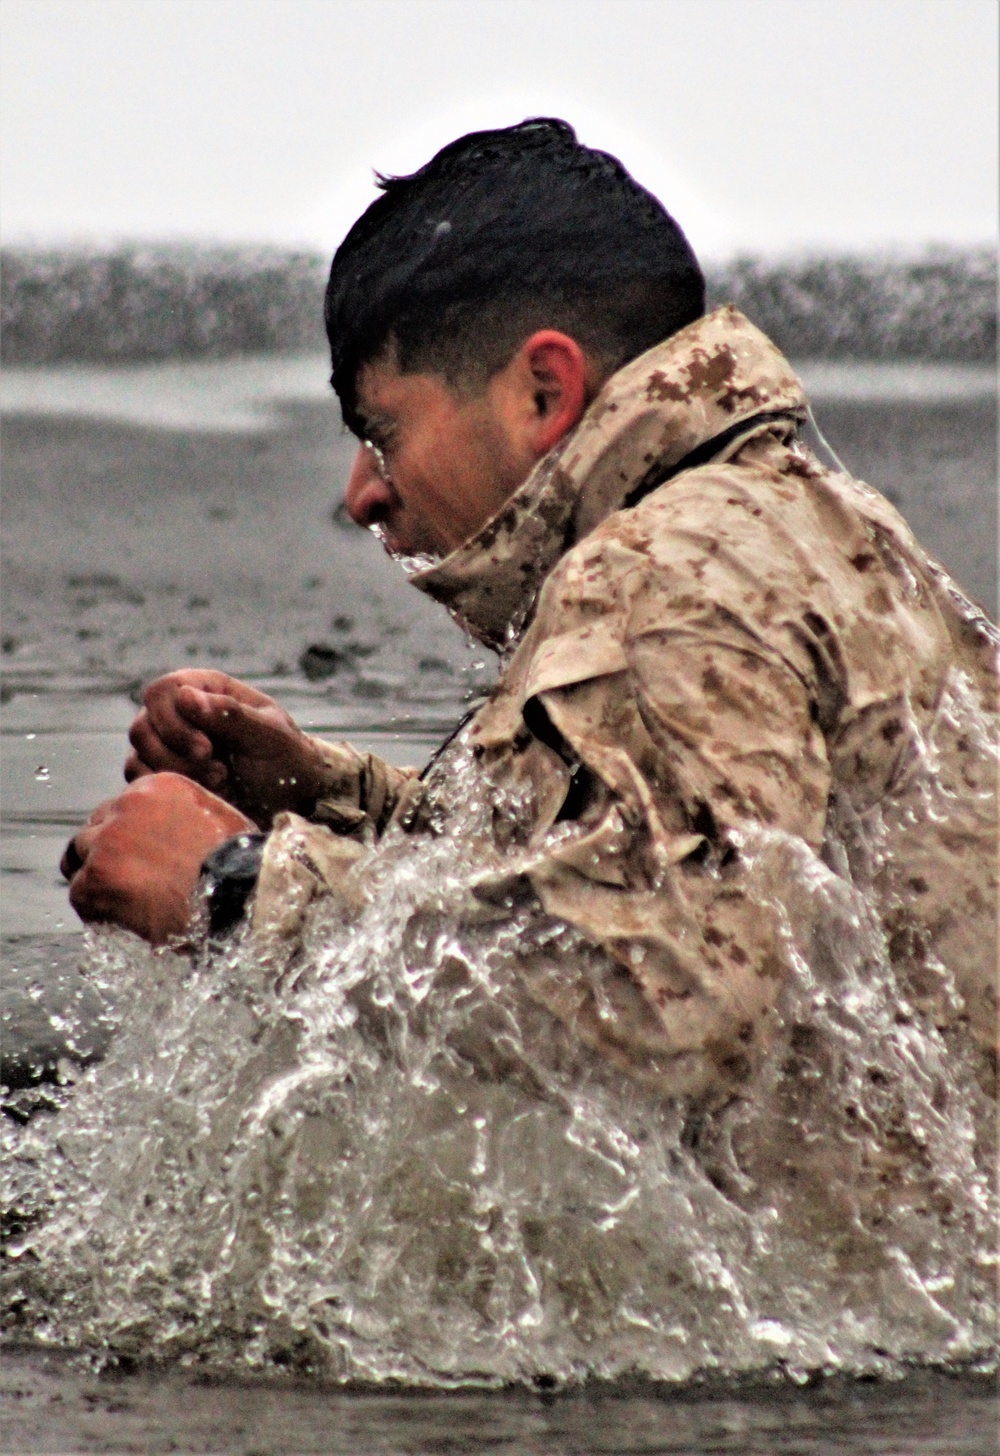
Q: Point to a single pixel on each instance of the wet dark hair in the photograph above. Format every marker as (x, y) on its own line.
(502, 233)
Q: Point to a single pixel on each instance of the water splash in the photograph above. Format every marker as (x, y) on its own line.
(386, 1162)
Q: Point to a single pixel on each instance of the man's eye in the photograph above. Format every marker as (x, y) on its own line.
(380, 433)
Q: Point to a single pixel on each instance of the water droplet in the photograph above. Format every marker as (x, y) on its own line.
(42, 774)
(30, 736)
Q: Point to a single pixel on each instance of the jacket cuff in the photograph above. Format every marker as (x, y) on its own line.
(360, 792)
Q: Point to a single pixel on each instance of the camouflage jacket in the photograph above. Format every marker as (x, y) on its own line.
(720, 661)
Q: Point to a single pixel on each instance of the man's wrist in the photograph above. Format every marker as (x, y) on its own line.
(228, 878)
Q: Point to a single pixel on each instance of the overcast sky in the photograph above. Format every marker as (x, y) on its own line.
(762, 124)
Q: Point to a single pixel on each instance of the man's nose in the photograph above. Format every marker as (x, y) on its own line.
(369, 497)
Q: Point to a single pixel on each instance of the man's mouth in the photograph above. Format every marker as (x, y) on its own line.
(411, 559)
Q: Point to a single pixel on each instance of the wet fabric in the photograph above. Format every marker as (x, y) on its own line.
(709, 670)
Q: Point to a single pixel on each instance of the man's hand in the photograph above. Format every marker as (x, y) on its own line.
(135, 862)
(228, 737)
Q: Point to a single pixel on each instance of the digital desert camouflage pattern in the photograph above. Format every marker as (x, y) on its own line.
(721, 661)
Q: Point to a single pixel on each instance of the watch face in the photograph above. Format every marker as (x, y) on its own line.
(228, 879)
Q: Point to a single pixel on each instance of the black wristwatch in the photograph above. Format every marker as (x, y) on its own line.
(228, 879)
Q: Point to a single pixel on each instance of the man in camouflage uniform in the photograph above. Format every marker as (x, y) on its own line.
(718, 658)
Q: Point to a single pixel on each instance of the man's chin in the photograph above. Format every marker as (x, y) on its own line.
(411, 557)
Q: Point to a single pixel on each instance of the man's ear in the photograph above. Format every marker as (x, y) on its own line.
(556, 371)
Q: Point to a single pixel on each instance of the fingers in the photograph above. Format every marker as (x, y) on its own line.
(135, 768)
(175, 713)
(208, 678)
(213, 774)
(186, 716)
(136, 861)
(162, 735)
(75, 854)
(114, 889)
(205, 680)
(229, 738)
(71, 862)
(231, 687)
(216, 714)
(152, 755)
(229, 722)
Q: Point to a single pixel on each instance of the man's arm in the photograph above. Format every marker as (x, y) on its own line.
(137, 860)
(240, 744)
(229, 738)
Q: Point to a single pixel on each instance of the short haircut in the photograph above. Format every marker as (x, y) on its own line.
(502, 233)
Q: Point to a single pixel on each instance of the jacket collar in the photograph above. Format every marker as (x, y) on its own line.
(647, 419)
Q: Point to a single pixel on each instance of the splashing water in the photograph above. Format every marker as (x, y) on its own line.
(385, 1161)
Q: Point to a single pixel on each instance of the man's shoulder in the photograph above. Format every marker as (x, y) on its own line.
(722, 509)
(773, 510)
(673, 557)
(771, 545)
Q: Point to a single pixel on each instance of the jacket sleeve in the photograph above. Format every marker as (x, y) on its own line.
(361, 791)
(700, 773)
(308, 859)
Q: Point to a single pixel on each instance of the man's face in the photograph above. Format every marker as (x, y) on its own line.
(448, 461)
